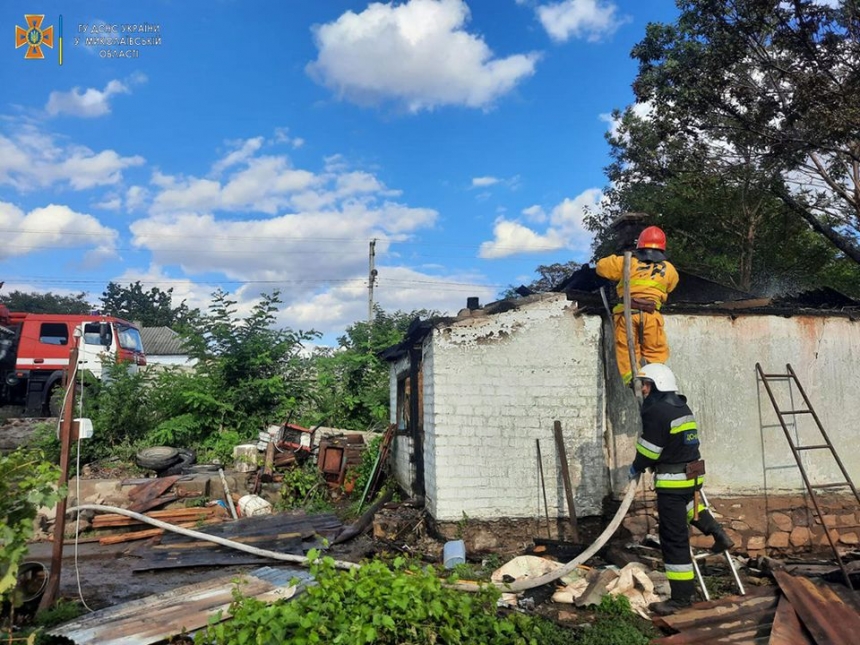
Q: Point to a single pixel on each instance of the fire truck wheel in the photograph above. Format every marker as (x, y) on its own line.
(157, 457)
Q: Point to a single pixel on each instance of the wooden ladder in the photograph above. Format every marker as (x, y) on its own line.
(797, 450)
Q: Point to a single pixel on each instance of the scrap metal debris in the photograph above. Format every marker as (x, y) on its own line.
(157, 618)
(796, 612)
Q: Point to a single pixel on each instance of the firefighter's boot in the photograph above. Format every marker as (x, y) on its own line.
(667, 607)
(708, 525)
(682, 597)
(722, 542)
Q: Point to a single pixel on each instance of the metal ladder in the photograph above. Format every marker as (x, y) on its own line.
(701, 556)
(796, 450)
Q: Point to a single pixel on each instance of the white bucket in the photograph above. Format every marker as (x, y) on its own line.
(454, 553)
(245, 458)
(250, 505)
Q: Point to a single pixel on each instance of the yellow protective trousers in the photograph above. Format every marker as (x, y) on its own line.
(649, 341)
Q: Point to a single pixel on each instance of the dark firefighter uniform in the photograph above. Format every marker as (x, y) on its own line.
(670, 441)
(652, 278)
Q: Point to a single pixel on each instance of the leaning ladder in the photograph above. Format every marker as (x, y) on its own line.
(796, 450)
(701, 556)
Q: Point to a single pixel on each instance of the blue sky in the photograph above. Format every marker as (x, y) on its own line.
(263, 145)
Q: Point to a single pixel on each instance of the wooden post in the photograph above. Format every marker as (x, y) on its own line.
(565, 473)
(631, 340)
(53, 587)
(543, 487)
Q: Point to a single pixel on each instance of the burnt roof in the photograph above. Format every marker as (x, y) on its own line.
(694, 294)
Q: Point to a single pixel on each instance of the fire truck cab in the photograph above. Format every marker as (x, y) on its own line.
(35, 348)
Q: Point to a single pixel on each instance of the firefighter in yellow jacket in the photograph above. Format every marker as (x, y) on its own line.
(652, 279)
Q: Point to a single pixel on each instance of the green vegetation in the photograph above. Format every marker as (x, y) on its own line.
(27, 482)
(382, 605)
(761, 196)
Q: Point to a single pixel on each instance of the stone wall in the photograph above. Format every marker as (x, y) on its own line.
(774, 525)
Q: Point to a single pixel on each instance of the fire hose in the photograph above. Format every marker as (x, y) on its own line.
(552, 576)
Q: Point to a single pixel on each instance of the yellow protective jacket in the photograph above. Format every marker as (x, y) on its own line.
(648, 280)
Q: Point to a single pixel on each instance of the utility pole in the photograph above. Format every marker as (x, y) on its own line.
(371, 279)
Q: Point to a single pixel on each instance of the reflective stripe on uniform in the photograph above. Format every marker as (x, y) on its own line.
(679, 571)
(682, 424)
(690, 513)
(649, 283)
(676, 480)
(650, 450)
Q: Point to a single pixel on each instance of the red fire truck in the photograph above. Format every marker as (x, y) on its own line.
(34, 353)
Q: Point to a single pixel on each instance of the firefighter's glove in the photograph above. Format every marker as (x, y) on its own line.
(632, 473)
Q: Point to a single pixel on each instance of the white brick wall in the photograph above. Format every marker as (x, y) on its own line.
(493, 385)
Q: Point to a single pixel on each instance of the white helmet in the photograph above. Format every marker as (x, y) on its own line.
(661, 375)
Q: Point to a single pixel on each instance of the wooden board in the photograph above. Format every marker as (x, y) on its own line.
(787, 628)
(216, 555)
(824, 614)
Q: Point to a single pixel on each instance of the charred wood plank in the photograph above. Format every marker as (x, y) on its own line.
(824, 614)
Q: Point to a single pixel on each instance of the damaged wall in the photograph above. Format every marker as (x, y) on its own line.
(714, 358)
(492, 385)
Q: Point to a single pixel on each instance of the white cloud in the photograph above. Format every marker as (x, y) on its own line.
(91, 102)
(511, 237)
(53, 226)
(135, 197)
(535, 214)
(31, 158)
(564, 230)
(592, 20)
(484, 181)
(417, 54)
(263, 185)
(242, 151)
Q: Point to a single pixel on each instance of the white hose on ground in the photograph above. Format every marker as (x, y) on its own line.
(274, 555)
(552, 576)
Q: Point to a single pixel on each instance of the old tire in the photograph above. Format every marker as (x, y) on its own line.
(157, 458)
(186, 458)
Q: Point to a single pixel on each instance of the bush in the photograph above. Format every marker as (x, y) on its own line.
(380, 605)
(27, 482)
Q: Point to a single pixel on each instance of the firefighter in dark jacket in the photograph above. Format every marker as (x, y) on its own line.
(652, 279)
(669, 445)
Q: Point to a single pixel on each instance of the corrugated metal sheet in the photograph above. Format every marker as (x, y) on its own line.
(156, 618)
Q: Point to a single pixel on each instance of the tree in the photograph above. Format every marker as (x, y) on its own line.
(550, 276)
(714, 203)
(352, 381)
(776, 79)
(46, 303)
(252, 373)
(152, 308)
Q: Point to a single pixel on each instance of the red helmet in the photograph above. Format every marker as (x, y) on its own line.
(652, 237)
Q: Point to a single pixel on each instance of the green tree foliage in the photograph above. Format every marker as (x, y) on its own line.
(152, 308)
(249, 373)
(27, 482)
(775, 81)
(352, 381)
(549, 276)
(46, 303)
